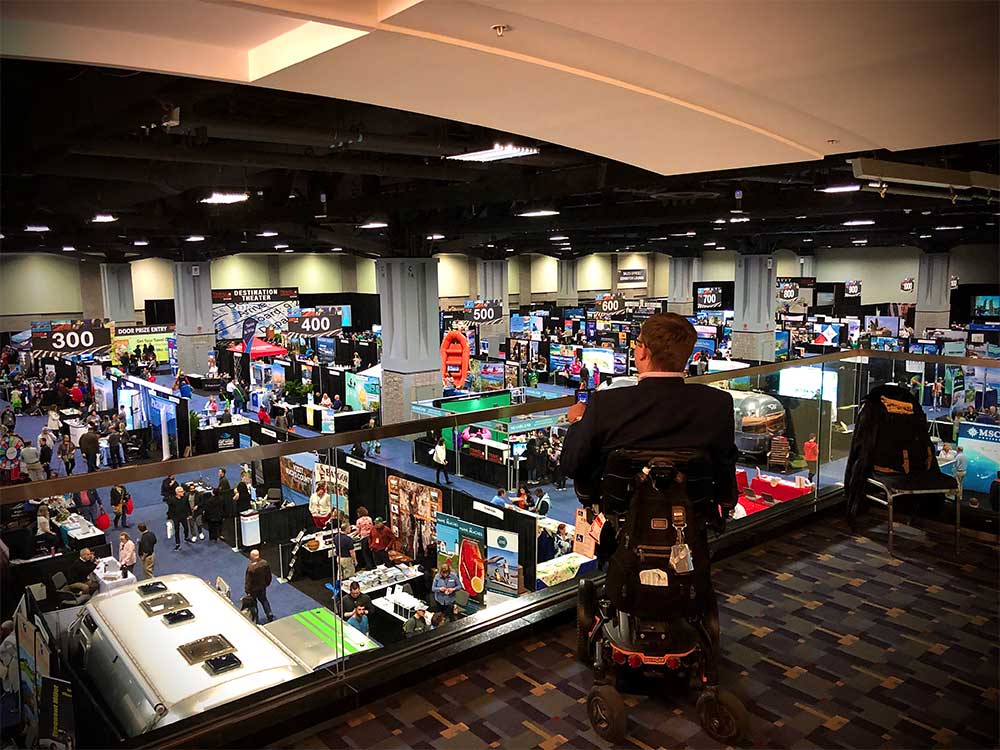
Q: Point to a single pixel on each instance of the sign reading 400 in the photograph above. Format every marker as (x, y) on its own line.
(70, 337)
(322, 321)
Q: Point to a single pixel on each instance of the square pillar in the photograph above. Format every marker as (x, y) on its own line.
(491, 283)
(524, 280)
(567, 294)
(116, 291)
(933, 292)
(753, 323)
(683, 273)
(195, 328)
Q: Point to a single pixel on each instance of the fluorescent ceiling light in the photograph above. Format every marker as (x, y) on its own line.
(289, 250)
(194, 238)
(510, 249)
(319, 216)
(336, 249)
(946, 229)
(280, 247)
(736, 210)
(739, 219)
(374, 225)
(709, 244)
(720, 247)
(69, 249)
(496, 153)
(719, 221)
(267, 233)
(859, 242)
(858, 223)
(683, 234)
(925, 213)
(491, 246)
(140, 243)
(37, 228)
(926, 236)
(435, 237)
(558, 237)
(807, 239)
(223, 198)
(538, 212)
(103, 219)
(841, 189)
(801, 217)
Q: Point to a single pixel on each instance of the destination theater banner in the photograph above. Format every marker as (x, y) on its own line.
(58, 338)
(269, 306)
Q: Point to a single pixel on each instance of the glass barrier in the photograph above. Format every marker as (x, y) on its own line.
(290, 555)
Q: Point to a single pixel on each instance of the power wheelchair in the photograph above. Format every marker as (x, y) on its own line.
(656, 618)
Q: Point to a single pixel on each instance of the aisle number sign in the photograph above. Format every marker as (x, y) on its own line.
(610, 304)
(69, 337)
(483, 310)
(320, 321)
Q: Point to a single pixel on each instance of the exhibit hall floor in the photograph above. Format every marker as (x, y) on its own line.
(829, 642)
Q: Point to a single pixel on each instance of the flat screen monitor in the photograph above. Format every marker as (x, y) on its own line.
(809, 383)
(707, 331)
(326, 349)
(704, 344)
(561, 356)
(824, 299)
(882, 325)
(885, 344)
(782, 343)
(603, 359)
(921, 347)
(986, 306)
(621, 363)
(826, 334)
(517, 324)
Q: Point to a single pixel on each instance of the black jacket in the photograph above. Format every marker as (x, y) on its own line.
(45, 454)
(178, 508)
(212, 508)
(656, 413)
(167, 487)
(80, 570)
(242, 497)
(147, 543)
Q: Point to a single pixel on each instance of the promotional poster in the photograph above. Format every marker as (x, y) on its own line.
(413, 512)
(297, 477)
(270, 308)
(362, 392)
(127, 338)
(981, 444)
(336, 483)
(502, 569)
(463, 545)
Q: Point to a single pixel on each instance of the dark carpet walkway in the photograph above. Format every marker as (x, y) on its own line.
(829, 642)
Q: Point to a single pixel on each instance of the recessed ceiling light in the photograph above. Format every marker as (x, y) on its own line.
(807, 239)
(498, 152)
(859, 242)
(37, 228)
(559, 237)
(709, 244)
(223, 198)
(683, 234)
(926, 236)
(739, 219)
(510, 249)
(946, 229)
(280, 247)
(801, 217)
(103, 219)
(719, 221)
(840, 189)
(194, 238)
(140, 243)
(858, 223)
(69, 249)
(291, 196)
(374, 225)
(267, 233)
(491, 246)
(435, 237)
(538, 212)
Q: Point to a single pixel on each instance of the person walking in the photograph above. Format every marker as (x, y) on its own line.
(258, 578)
(67, 454)
(380, 540)
(90, 446)
(439, 454)
(8, 419)
(961, 467)
(147, 550)
(195, 529)
(119, 500)
(810, 452)
(32, 462)
(126, 552)
(45, 456)
(178, 511)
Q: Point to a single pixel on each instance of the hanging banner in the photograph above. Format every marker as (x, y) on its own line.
(462, 544)
(907, 284)
(70, 337)
(413, 511)
(981, 445)
(852, 288)
(249, 330)
(269, 307)
(127, 338)
(483, 310)
(631, 275)
(172, 355)
(296, 477)
(362, 392)
(502, 568)
(336, 483)
(57, 722)
(317, 321)
(610, 304)
(709, 298)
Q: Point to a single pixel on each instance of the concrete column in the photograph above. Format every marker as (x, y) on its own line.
(753, 323)
(116, 291)
(491, 283)
(273, 270)
(90, 291)
(807, 265)
(683, 273)
(195, 329)
(411, 361)
(933, 292)
(348, 273)
(524, 280)
(567, 294)
(614, 272)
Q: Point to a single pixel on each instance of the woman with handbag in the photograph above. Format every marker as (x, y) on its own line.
(126, 553)
(119, 501)
(67, 454)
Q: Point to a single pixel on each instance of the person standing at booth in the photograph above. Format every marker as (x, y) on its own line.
(244, 495)
(445, 585)
(363, 525)
(320, 506)
(67, 454)
(961, 467)
(90, 445)
(380, 540)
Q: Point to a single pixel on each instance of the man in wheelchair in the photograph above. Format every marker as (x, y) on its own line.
(659, 460)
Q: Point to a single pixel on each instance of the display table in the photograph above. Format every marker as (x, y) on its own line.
(376, 582)
(273, 525)
(204, 382)
(782, 492)
(318, 638)
(385, 623)
(343, 421)
(480, 460)
(211, 438)
(316, 563)
(108, 580)
(77, 533)
(563, 568)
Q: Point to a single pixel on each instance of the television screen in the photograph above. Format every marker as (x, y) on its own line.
(709, 297)
(517, 324)
(491, 376)
(326, 349)
(782, 344)
(573, 312)
(621, 363)
(706, 331)
(824, 299)
(808, 382)
(704, 344)
(986, 306)
(853, 328)
(885, 344)
(604, 359)
(560, 356)
(882, 325)
(920, 347)
(826, 334)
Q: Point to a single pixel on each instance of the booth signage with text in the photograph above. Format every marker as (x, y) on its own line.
(269, 307)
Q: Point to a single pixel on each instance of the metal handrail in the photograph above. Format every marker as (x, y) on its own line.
(110, 477)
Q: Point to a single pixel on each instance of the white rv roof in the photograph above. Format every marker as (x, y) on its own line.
(151, 644)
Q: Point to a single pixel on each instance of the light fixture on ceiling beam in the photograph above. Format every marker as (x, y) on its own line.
(538, 212)
(374, 223)
(719, 221)
(195, 238)
(858, 223)
(141, 243)
(336, 249)
(947, 229)
(739, 219)
(498, 152)
(859, 242)
(851, 188)
(223, 198)
(104, 219)
(926, 236)
(435, 237)
(267, 233)
(683, 234)
(559, 238)
(710, 244)
(280, 247)
(68, 249)
(37, 228)
(801, 217)
(807, 239)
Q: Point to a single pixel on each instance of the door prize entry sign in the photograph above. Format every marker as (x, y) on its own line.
(70, 337)
(483, 310)
(321, 321)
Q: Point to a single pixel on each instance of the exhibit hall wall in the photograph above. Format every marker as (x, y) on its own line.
(37, 287)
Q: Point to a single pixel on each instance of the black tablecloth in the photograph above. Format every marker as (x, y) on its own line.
(280, 525)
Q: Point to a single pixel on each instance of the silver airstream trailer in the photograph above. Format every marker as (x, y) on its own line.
(159, 654)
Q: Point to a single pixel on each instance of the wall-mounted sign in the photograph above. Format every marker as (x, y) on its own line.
(953, 282)
(788, 291)
(906, 285)
(852, 288)
(70, 337)
(483, 310)
(319, 321)
(610, 304)
(709, 298)
(631, 275)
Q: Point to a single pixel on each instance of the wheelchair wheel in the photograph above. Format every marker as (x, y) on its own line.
(723, 716)
(606, 711)
(585, 610)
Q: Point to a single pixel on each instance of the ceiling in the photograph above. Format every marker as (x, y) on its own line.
(649, 118)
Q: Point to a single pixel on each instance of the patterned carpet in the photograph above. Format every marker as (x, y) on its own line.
(829, 642)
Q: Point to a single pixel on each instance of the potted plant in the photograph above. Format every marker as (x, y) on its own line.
(296, 392)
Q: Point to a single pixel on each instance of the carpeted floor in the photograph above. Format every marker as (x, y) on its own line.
(829, 642)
